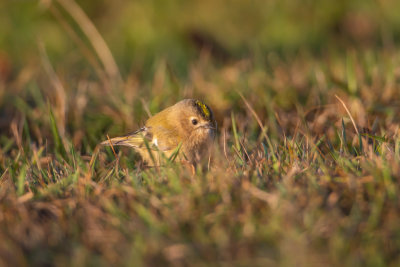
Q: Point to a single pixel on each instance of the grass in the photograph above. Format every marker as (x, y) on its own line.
(305, 167)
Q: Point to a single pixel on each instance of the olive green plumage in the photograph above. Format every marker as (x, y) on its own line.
(189, 125)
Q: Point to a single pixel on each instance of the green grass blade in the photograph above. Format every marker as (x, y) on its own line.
(59, 146)
(235, 134)
(21, 181)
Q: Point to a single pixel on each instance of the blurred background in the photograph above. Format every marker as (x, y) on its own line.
(98, 62)
(139, 33)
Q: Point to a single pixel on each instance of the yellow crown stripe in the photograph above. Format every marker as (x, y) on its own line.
(204, 108)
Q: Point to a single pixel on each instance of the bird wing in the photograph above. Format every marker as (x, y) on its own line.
(164, 139)
(158, 138)
(135, 139)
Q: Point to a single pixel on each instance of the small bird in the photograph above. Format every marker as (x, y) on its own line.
(184, 130)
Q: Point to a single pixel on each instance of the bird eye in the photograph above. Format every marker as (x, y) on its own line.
(194, 121)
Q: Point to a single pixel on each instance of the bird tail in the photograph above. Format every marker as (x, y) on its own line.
(128, 140)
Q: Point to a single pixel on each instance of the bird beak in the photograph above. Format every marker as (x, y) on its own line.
(208, 125)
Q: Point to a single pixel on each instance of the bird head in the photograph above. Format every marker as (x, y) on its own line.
(195, 119)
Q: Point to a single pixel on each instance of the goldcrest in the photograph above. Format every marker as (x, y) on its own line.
(184, 130)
